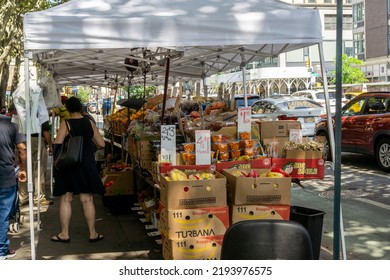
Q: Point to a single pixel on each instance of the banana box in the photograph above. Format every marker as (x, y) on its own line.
(201, 248)
(188, 194)
(259, 212)
(194, 223)
(258, 163)
(260, 190)
(301, 168)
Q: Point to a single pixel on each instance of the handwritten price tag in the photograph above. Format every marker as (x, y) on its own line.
(202, 147)
(168, 144)
(244, 119)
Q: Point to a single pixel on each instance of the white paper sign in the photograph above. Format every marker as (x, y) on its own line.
(244, 119)
(168, 144)
(202, 147)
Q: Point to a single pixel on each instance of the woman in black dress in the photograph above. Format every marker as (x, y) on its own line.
(82, 180)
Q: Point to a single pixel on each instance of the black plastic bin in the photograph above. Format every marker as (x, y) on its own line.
(312, 220)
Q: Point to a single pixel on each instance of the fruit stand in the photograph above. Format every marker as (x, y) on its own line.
(247, 175)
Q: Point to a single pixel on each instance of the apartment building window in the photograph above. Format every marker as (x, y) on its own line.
(358, 15)
(358, 43)
(388, 6)
(330, 22)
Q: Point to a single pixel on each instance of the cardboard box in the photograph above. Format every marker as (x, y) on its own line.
(277, 149)
(186, 168)
(145, 164)
(230, 132)
(265, 190)
(145, 154)
(254, 163)
(302, 168)
(271, 129)
(201, 248)
(299, 154)
(192, 194)
(258, 212)
(123, 183)
(194, 223)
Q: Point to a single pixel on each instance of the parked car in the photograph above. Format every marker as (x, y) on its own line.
(305, 110)
(354, 91)
(365, 127)
(319, 96)
(240, 101)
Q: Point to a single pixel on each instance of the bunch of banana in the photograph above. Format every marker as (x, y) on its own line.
(245, 157)
(177, 175)
(273, 175)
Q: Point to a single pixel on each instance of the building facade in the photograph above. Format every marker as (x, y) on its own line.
(296, 70)
(371, 37)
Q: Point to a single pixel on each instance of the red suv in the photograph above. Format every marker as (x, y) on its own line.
(365, 127)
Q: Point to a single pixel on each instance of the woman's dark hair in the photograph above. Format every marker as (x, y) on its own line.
(73, 104)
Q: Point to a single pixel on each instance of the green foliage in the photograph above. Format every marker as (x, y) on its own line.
(351, 73)
(83, 94)
(138, 91)
(11, 33)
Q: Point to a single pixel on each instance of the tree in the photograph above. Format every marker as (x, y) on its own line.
(351, 73)
(11, 35)
(138, 91)
(83, 94)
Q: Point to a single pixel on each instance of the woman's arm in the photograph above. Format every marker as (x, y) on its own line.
(22, 151)
(61, 133)
(97, 137)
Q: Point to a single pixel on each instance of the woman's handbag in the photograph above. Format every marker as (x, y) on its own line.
(71, 151)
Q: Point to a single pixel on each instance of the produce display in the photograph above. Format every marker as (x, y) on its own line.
(274, 172)
(178, 175)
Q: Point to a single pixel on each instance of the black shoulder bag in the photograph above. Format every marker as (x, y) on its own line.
(71, 151)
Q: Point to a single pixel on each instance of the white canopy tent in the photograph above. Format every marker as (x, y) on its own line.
(86, 42)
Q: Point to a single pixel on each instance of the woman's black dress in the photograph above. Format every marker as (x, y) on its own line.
(82, 178)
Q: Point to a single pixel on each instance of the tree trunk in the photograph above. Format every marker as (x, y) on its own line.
(3, 83)
(16, 76)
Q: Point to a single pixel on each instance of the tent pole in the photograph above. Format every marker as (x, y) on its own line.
(337, 158)
(243, 62)
(38, 186)
(168, 60)
(27, 56)
(52, 158)
(336, 165)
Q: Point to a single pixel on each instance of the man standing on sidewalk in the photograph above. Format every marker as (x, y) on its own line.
(46, 147)
(10, 139)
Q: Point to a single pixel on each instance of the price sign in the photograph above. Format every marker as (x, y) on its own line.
(168, 144)
(202, 147)
(244, 119)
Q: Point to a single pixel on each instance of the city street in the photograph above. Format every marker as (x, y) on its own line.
(365, 202)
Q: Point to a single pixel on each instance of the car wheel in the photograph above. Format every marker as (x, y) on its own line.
(382, 154)
(326, 152)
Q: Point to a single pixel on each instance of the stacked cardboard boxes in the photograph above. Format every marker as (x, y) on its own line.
(194, 218)
(120, 190)
(257, 198)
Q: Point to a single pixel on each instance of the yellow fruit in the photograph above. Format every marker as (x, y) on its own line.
(245, 157)
(236, 173)
(275, 175)
(177, 175)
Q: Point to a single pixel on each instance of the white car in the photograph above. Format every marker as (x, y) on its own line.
(305, 110)
(319, 96)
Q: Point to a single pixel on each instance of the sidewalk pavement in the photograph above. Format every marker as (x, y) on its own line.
(125, 236)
